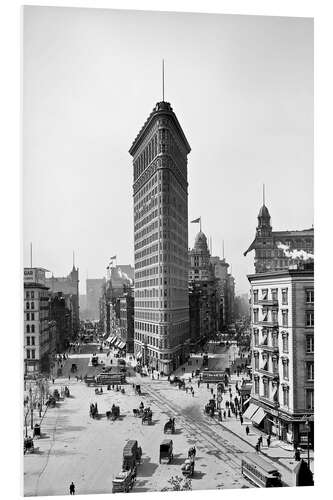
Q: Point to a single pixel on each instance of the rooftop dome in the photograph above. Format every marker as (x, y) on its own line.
(264, 212)
(201, 242)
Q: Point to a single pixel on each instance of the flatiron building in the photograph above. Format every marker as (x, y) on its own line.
(160, 193)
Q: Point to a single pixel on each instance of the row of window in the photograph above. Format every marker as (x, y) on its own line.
(309, 367)
(31, 354)
(309, 393)
(31, 294)
(30, 328)
(30, 340)
(309, 317)
(309, 295)
(285, 341)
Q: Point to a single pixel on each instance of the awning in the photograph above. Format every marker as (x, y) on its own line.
(117, 342)
(250, 411)
(258, 417)
(121, 345)
(139, 356)
(108, 339)
(113, 339)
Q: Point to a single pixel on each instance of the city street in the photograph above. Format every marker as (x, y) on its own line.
(88, 452)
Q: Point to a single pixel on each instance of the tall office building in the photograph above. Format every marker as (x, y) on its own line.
(161, 320)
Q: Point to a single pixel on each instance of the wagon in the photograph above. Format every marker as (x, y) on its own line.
(188, 467)
(166, 450)
(28, 445)
(123, 482)
(169, 426)
(147, 417)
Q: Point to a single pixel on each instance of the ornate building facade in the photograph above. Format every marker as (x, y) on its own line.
(270, 254)
(68, 285)
(203, 292)
(282, 314)
(160, 193)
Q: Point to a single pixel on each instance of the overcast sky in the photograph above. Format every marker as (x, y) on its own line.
(241, 87)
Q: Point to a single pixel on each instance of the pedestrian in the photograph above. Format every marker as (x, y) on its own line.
(229, 415)
(53, 381)
(268, 441)
(241, 418)
(257, 448)
(69, 377)
(198, 384)
(224, 415)
(260, 441)
(72, 488)
(192, 393)
(158, 376)
(247, 430)
(212, 390)
(236, 413)
(207, 385)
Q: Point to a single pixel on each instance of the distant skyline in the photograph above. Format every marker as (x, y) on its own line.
(241, 87)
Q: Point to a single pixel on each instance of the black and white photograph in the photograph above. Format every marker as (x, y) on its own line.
(168, 251)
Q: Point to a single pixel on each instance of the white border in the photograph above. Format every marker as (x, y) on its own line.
(10, 451)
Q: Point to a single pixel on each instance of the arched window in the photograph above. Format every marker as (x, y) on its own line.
(28, 328)
(28, 305)
(32, 305)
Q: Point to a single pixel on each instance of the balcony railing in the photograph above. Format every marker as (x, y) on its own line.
(269, 348)
(266, 302)
(269, 373)
(269, 324)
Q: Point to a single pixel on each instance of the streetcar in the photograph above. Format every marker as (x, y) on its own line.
(260, 472)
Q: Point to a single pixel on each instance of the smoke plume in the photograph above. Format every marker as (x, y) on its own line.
(295, 254)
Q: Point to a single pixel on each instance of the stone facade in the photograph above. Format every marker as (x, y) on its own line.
(225, 291)
(268, 255)
(282, 316)
(161, 323)
(37, 330)
(203, 293)
(68, 285)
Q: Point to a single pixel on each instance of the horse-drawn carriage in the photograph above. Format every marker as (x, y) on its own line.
(124, 481)
(28, 445)
(210, 408)
(56, 394)
(51, 402)
(114, 413)
(93, 412)
(147, 416)
(166, 450)
(99, 391)
(188, 467)
(169, 427)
